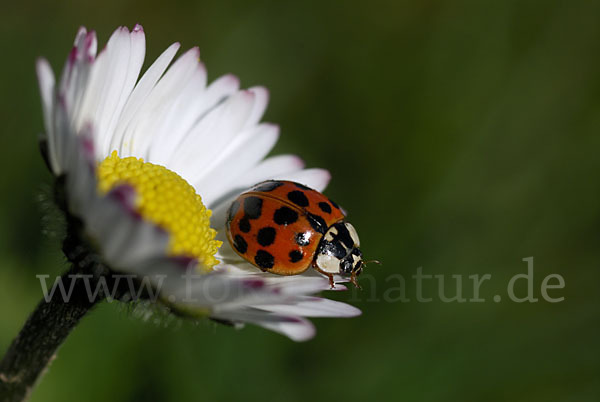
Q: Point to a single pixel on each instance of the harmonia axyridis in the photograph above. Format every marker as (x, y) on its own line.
(284, 228)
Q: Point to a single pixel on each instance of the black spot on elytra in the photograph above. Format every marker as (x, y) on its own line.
(233, 209)
(302, 239)
(295, 255)
(285, 216)
(240, 244)
(264, 259)
(266, 236)
(298, 198)
(302, 186)
(268, 186)
(317, 223)
(244, 225)
(336, 206)
(325, 207)
(253, 207)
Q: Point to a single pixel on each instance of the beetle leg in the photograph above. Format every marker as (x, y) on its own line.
(354, 281)
(331, 283)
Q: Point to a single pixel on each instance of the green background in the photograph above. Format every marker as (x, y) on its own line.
(462, 136)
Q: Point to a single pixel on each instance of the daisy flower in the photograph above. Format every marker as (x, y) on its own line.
(146, 168)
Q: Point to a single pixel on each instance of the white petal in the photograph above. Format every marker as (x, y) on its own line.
(179, 116)
(75, 77)
(212, 135)
(221, 292)
(243, 153)
(133, 67)
(299, 331)
(308, 306)
(74, 58)
(112, 78)
(314, 178)
(143, 128)
(137, 98)
(61, 133)
(46, 83)
(296, 328)
(125, 238)
(260, 105)
(296, 285)
(275, 166)
(198, 106)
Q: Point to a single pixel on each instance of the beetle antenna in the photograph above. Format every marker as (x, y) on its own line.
(373, 262)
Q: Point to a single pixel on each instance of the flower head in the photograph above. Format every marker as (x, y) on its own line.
(148, 166)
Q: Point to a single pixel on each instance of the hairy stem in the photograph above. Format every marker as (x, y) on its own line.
(41, 336)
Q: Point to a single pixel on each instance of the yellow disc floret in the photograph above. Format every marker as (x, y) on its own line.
(166, 199)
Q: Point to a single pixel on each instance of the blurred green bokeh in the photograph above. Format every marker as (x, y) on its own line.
(462, 136)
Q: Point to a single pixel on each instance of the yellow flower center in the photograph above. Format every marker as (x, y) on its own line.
(166, 199)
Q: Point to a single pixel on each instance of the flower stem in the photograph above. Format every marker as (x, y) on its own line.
(41, 336)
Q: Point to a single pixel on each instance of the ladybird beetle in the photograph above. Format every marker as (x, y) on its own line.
(284, 228)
